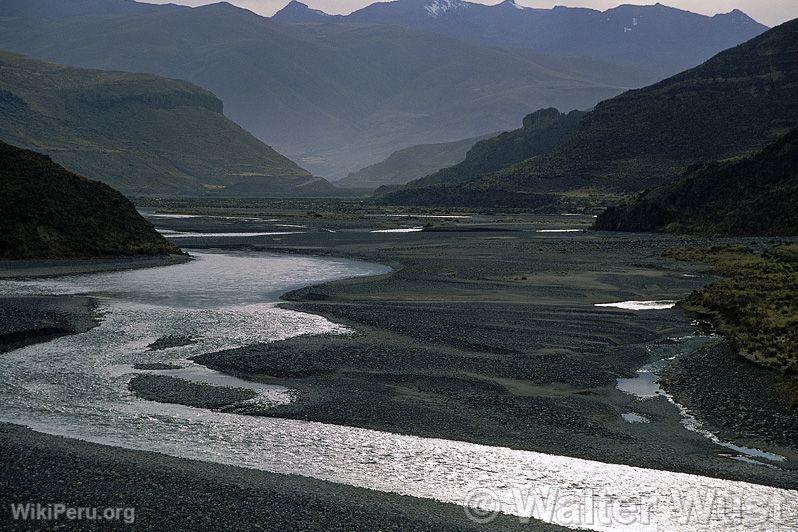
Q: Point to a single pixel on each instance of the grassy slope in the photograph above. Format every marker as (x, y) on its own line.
(753, 196)
(138, 133)
(49, 212)
(756, 306)
(410, 163)
(542, 131)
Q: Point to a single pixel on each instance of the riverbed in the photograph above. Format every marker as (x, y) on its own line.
(77, 386)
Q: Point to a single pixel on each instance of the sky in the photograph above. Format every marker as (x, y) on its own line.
(770, 12)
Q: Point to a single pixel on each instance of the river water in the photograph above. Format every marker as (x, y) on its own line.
(77, 386)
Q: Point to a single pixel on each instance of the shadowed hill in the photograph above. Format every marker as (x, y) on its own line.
(734, 104)
(752, 196)
(410, 163)
(49, 212)
(542, 132)
(737, 102)
(139, 133)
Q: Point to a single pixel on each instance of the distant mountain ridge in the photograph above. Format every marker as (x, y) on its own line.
(734, 104)
(663, 38)
(141, 134)
(410, 163)
(47, 212)
(541, 133)
(752, 196)
(335, 97)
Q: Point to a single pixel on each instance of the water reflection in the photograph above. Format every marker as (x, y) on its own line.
(77, 386)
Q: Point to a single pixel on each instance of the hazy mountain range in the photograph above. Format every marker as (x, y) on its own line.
(734, 104)
(411, 163)
(663, 39)
(140, 133)
(341, 95)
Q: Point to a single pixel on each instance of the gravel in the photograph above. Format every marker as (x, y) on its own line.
(180, 391)
(175, 494)
(735, 398)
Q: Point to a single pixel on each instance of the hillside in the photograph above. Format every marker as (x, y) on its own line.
(541, 132)
(409, 164)
(662, 39)
(141, 134)
(333, 97)
(734, 104)
(752, 196)
(49, 212)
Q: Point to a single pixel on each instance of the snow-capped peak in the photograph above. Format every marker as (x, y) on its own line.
(512, 3)
(439, 7)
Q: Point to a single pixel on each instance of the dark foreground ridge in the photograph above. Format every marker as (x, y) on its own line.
(48, 212)
(753, 196)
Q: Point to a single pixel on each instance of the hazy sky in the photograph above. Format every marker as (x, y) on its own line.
(770, 12)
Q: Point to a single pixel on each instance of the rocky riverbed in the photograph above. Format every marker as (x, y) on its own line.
(173, 494)
(487, 331)
(735, 398)
(28, 320)
(165, 389)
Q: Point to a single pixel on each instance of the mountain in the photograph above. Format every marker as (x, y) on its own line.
(49, 212)
(335, 97)
(298, 12)
(541, 133)
(139, 133)
(59, 9)
(409, 164)
(664, 39)
(753, 196)
(736, 103)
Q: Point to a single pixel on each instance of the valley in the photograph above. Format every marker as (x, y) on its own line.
(536, 370)
(407, 265)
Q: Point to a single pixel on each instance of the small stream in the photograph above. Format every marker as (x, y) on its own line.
(645, 386)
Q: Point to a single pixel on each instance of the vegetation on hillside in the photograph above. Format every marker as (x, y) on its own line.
(755, 306)
(736, 103)
(49, 212)
(139, 133)
(752, 196)
(542, 132)
(411, 163)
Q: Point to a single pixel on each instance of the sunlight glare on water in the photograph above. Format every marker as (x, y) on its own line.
(77, 386)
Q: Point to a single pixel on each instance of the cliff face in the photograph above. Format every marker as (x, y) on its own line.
(542, 132)
(736, 103)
